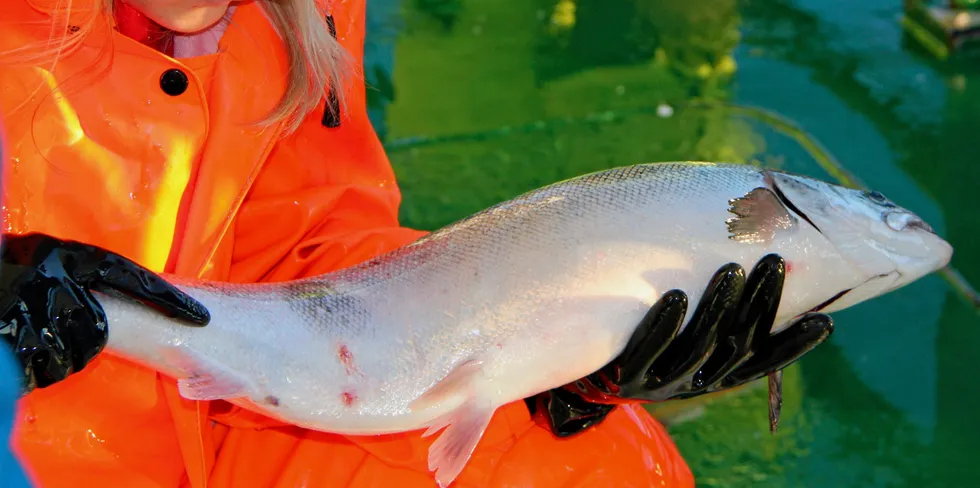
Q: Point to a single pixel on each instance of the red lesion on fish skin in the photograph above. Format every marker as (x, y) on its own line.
(789, 267)
(346, 358)
(348, 398)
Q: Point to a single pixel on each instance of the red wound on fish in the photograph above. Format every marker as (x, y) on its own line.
(789, 267)
(348, 398)
(346, 358)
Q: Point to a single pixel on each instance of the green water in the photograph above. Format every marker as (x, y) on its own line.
(496, 97)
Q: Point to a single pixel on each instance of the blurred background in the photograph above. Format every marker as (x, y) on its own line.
(480, 100)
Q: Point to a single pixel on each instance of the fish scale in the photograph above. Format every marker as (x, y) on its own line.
(525, 296)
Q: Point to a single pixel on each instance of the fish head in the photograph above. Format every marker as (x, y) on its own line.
(889, 245)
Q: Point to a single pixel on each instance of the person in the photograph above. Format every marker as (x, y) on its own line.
(225, 141)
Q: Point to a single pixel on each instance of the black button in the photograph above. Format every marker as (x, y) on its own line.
(173, 82)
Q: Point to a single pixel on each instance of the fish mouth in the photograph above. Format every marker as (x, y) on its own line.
(831, 300)
(921, 225)
(895, 274)
(770, 180)
(903, 221)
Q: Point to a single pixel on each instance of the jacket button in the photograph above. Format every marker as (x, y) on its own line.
(173, 82)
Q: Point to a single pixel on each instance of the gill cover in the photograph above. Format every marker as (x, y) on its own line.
(888, 244)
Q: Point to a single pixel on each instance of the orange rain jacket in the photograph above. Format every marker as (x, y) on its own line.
(98, 152)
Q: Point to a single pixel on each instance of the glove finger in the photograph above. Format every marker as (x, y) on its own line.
(784, 348)
(112, 272)
(568, 414)
(86, 328)
(47, 369)
(51, 357)
(654, 334)
(21, 336)
(755, 315)
(763, 297)
(695, 343)
(96, 268)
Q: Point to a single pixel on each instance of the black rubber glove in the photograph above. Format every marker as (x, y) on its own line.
(48, 314)
(726, 344)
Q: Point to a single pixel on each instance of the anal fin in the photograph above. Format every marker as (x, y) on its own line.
(205, 379)
(465, 426)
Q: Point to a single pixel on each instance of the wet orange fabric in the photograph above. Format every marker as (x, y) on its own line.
(99, 153)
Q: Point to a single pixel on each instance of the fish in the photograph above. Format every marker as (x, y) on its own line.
(527, 295)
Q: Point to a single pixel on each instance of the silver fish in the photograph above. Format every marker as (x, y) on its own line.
(525, 296)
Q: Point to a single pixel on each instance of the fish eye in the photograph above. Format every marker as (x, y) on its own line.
(879, 198)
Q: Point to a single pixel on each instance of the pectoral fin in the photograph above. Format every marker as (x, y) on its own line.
(775, 399)
(206, 379)
(758, 215)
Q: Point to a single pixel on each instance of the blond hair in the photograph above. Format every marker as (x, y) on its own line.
(318, 65)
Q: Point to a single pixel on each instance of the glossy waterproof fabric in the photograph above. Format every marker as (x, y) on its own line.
(11, 473)
(99, 152)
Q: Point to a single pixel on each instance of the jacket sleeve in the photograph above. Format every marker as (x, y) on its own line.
(327, 197)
